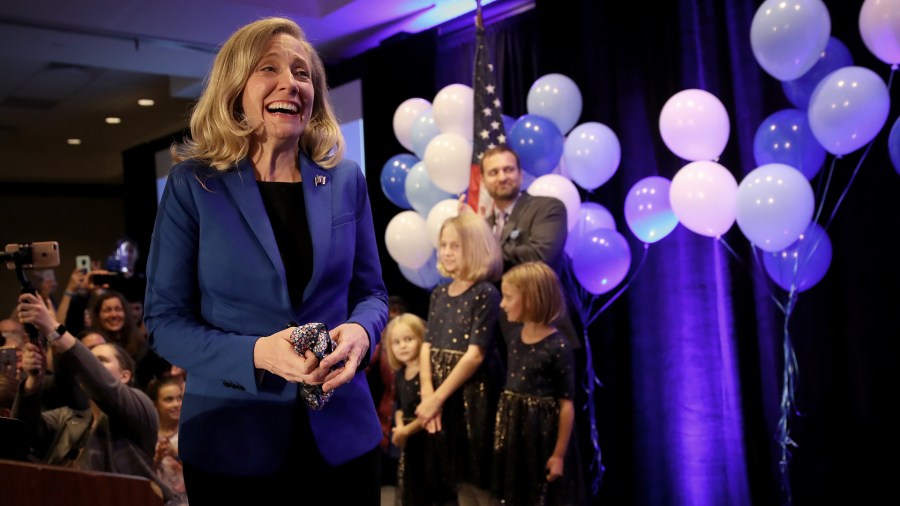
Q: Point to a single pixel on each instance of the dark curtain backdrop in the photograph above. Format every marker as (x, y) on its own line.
(691, 355)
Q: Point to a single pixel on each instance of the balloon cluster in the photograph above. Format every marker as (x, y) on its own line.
(839, 108)
(558, 157)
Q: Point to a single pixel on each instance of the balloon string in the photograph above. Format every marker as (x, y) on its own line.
(789, 382)
(624, 287)
(596, 468)
(849, 183)
(751, 271)
(827, 184)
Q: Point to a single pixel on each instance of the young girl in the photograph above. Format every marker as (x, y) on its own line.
(457, 402)
(534, 457)
(402, 340)
(167, 394)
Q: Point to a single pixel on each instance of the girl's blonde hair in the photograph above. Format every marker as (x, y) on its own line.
(220, 135)
(542, 297)
(416, 324)
(480, 253)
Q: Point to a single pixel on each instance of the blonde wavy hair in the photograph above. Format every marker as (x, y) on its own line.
(542, 297)
(221, 136)
(481, 259)
(415, 324)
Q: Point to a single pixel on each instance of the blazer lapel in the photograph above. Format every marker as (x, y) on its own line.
(242, 185)
(514, 217)
(318, 188)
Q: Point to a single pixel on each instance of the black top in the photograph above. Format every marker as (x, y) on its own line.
(287, 214)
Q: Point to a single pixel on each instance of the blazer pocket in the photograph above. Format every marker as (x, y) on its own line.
(342, 218)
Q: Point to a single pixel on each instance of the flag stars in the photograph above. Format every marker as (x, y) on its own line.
(487, 112)
(497, 103)
(484, 134)
(495, 125)
(490, 89)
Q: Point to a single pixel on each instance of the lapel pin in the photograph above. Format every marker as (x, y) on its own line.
(319, 180)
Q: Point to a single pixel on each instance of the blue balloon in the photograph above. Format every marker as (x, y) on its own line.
(393, 178)
(422, 131)
(601, 261)
(894, 145)
(427, 276)
(803, 263)
(538, 142)
(421, 192)
(785, 137)
(835, 56)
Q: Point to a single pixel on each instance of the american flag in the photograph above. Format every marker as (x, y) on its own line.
(487, 117)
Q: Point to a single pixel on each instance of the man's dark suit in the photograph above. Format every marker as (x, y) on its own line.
(537, 230)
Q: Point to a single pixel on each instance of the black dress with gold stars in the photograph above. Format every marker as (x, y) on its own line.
(538, 376)
(463, 448)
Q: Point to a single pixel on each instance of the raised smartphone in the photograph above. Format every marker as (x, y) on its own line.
(83, 263)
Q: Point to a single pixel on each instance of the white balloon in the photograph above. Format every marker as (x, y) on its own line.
(879, 25)
(694, 125)
(441, 212)
(407, 112)
(453, 108)
(448, 160)
(406, 239)
(554, 185)
(703, 196)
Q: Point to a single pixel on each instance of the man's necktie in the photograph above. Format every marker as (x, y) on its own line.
(499, 223)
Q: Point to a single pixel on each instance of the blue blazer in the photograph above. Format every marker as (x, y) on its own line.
(216, 283)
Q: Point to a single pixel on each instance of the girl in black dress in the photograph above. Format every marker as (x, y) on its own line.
(535, 462)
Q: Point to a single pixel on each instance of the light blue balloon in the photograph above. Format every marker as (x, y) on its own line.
(592, 153)
(538, 142)
(393, 178)
(787, 36)
(556, 97)
(591, 216)
(423, 129)
(894, 145)
(848, 108)
(421, 192)
(803, 263)
(648, 212)
(785, 137)
(427, 276)
(835, 56)
(601, 261)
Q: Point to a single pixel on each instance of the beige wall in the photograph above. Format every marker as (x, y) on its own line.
(81, 226)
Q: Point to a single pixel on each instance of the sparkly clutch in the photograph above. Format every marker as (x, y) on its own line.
(315, 338)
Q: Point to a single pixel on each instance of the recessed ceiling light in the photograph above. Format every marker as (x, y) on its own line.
(73, 142)
(112, 120)
(146, 102)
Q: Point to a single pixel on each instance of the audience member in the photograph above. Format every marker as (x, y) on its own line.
(167, 394)
(116, 434)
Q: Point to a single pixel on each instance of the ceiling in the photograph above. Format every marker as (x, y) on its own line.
(67, 65)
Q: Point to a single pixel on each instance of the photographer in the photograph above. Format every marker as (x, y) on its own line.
(116, 434)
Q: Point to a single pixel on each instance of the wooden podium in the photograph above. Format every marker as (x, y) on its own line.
(26, 484)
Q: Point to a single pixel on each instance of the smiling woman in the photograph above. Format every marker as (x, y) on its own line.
(261, 182)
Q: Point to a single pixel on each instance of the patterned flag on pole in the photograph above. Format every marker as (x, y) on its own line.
(487, 118)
